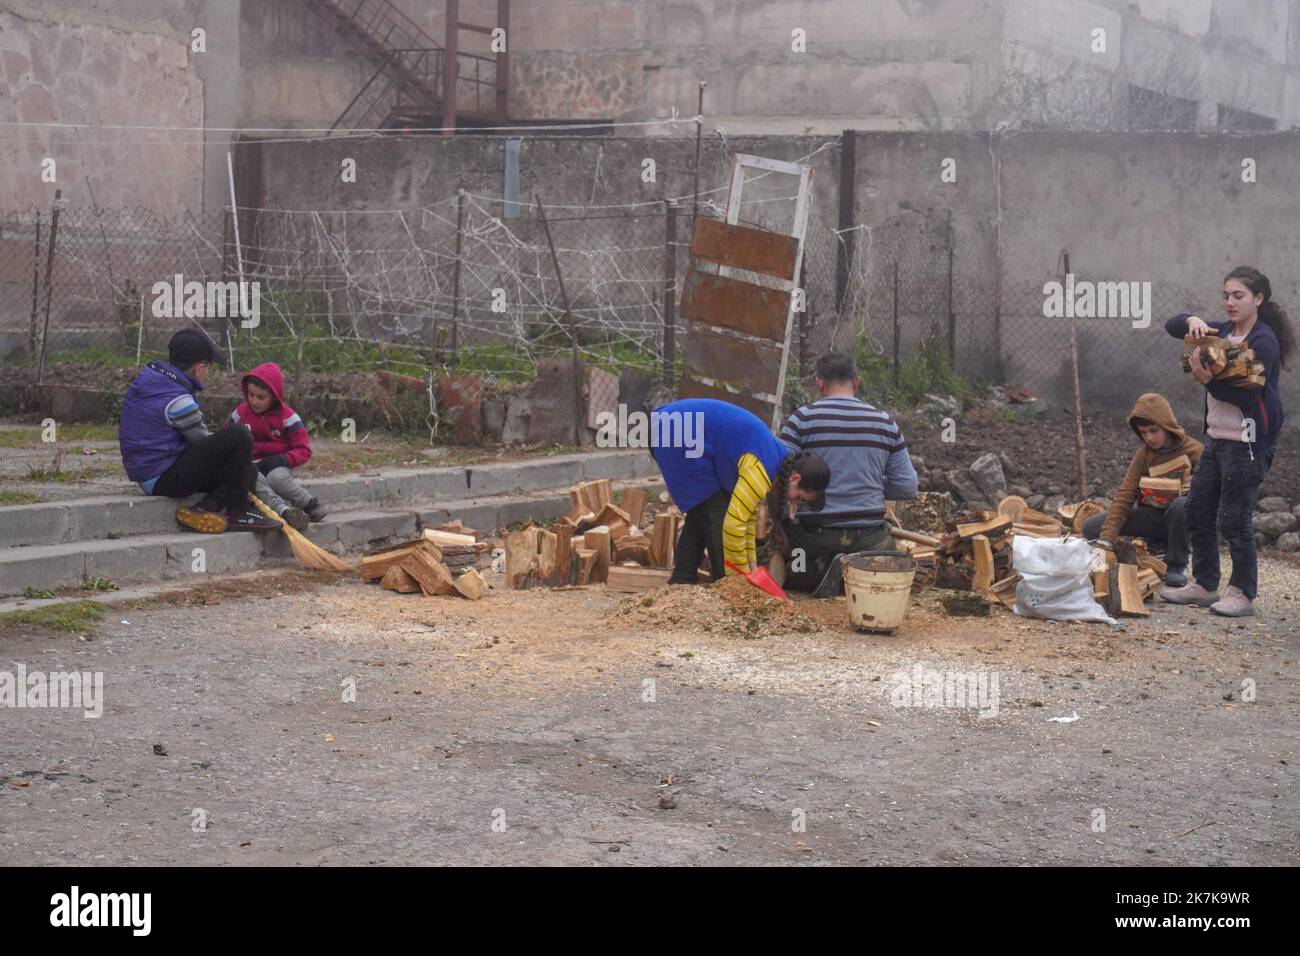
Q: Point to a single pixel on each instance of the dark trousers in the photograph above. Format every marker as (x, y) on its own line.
(1224, 489)
(813, 547)
(701, 531)
(1165, 528)
(221, 464)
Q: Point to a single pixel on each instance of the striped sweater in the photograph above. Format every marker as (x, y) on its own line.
(739, 527)
(867, 456)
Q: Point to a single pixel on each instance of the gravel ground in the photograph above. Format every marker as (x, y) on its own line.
(531, 711)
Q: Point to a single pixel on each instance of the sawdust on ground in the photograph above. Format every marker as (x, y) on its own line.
(731, 607)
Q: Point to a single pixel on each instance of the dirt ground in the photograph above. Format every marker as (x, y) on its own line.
(677, 726)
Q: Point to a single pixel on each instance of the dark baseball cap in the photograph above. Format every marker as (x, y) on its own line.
(190, 346)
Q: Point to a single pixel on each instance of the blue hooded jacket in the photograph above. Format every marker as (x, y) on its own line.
(149, 442)
(1265, 404)
(729, 432)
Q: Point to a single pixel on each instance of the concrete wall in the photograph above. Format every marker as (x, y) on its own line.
(125, 63)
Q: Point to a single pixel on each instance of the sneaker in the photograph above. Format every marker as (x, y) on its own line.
(1189, 594)
(250, 521)
(208, 516)
(1233, 604)
(832, 584)
(1175, 577)
(295, 518)
(315, 511)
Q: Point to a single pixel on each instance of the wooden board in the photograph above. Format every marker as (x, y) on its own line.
(633, 505)
(597, 539)
(471, 585)
(1172, 467)
(635, 579)
(395, 579)
(734, 304)
(990, 527)
(750, 364)
(447, 537)
(691, 388)
(742, 247)
(983, 555)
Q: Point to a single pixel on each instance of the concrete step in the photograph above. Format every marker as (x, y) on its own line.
(179, 553)
(91, 519)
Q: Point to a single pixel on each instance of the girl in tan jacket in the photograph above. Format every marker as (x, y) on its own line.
(1163, 440)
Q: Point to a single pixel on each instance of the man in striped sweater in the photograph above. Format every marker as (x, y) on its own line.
(869, 465)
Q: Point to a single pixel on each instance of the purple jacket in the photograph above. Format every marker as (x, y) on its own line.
(149, 441)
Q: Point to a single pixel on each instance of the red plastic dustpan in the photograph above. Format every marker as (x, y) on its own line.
(761, 579)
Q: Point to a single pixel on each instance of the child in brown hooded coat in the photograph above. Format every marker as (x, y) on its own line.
(1163, 439)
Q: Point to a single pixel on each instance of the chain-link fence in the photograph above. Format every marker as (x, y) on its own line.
(471, 285)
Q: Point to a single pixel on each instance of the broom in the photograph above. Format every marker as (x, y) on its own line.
(310, 554)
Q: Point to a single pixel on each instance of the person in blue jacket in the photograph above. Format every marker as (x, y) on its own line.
(1243, 426)
(168, 451)
(722, 462)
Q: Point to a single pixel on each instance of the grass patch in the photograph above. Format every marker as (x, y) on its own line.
(30, 436)
(37, 594)
(19, 498)
(72, 616)
(98, 584)
(70, 476)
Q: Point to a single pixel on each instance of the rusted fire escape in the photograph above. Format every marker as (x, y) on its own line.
(407, 89)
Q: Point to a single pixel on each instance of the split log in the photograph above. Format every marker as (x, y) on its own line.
(597, 539)
(456, 527)
(615, 519)
(586, 562)
(635, 579)
(983, 553)
(471, 585)
(634, 505)
(633, 548)
(996, 524)
(1149, 562)
(664, 539)
(432, 574)
(1003, 591)
(1131, 603)
(396, 579)
(1012, 506)
(375, 565)
(1174, 466)
(522, 556)
(590, 497)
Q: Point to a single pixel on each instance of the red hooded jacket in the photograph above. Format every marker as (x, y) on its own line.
(279, 431)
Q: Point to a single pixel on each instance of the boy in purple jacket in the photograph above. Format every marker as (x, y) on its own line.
(167, 450)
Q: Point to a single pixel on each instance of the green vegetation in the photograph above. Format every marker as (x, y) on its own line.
(98, 584)
(927, 370)
(37, 594)
(73, 616)
(19, 498)
(30, 436)
(55, 472)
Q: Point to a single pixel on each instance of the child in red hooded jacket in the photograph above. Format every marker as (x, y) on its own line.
(280, 442)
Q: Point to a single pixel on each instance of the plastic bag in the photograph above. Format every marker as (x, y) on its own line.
(1056, 579)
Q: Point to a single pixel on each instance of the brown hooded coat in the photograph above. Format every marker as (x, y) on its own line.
(1156, 408)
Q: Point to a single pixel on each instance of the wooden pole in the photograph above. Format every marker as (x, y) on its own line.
(670, 291)
(1079, 458)
(699, 132)
(568, 321)
(36, 286)
(455, 283)
(49, 283)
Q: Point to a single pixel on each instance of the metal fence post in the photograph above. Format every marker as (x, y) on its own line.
(670, 292)
(455, 285)
(952, 314)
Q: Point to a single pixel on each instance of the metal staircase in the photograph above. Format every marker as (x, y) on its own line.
(406, 89)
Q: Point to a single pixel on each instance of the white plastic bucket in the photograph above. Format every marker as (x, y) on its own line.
(878, 586)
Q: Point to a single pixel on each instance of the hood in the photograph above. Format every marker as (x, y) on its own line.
(269, 374)
(1155, 407)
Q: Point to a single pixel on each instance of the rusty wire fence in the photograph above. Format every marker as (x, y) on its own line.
(470, 285)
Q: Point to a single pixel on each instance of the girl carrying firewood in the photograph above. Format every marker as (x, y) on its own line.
(718, 476)
(1242, 425)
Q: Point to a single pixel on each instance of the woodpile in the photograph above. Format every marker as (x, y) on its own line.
(1131, 578)
(439, 563)
(1229, 362)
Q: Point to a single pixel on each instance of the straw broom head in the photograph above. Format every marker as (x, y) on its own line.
(310, 554)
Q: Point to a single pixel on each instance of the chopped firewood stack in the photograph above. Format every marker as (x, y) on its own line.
(1229, 362)
(597, 542)
(979, 551)
(1165, 482)
(442, 561)
(1131, 577)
